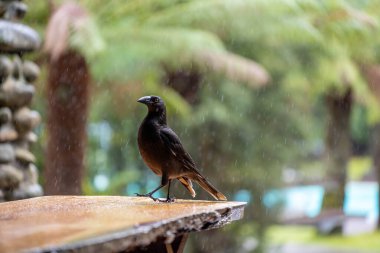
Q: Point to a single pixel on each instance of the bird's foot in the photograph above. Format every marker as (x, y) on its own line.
(168, 200)
(147, 195)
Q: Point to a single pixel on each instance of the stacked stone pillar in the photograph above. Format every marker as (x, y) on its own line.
(18, 173)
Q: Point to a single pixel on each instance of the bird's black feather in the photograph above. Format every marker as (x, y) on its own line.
(163, 152)
(173, 143)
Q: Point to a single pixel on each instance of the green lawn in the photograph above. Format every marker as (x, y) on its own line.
(308, 235)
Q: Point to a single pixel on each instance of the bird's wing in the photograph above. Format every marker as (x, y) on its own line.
(173, 143)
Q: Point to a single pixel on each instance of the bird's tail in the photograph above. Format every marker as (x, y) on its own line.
(207, 186)
(188, 184)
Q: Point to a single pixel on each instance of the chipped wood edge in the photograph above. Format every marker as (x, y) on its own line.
(145, 234)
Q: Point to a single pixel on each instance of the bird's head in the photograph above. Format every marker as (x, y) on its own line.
(154, 103)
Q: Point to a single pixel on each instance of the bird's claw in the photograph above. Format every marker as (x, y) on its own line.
(168, 200)
(147, 195)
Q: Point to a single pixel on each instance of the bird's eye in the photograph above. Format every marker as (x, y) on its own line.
(155, 99)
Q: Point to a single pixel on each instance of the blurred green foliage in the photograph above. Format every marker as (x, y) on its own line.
(359, 167)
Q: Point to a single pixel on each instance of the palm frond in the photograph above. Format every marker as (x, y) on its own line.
(235, 67)
(71, 27)
(144, 49)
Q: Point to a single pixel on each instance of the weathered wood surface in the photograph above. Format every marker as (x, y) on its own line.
(104, 223)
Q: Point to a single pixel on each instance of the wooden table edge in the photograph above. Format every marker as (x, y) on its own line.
(127, 239)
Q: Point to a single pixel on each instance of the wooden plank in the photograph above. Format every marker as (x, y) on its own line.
(105, 223)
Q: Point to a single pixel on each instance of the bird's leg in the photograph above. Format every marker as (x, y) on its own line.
(168, 198)
(164, 181)
(150, 193)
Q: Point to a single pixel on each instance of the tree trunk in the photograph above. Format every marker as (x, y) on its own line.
(185, 82)
(372, 76)
(67, 96)
(338, 146)
(376, 160)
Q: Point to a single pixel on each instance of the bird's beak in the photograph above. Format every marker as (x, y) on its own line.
(144, 100)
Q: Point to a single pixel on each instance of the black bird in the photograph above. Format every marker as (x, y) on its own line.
(162, 151)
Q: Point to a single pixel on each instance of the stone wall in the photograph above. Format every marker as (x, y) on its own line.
(18, 173)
